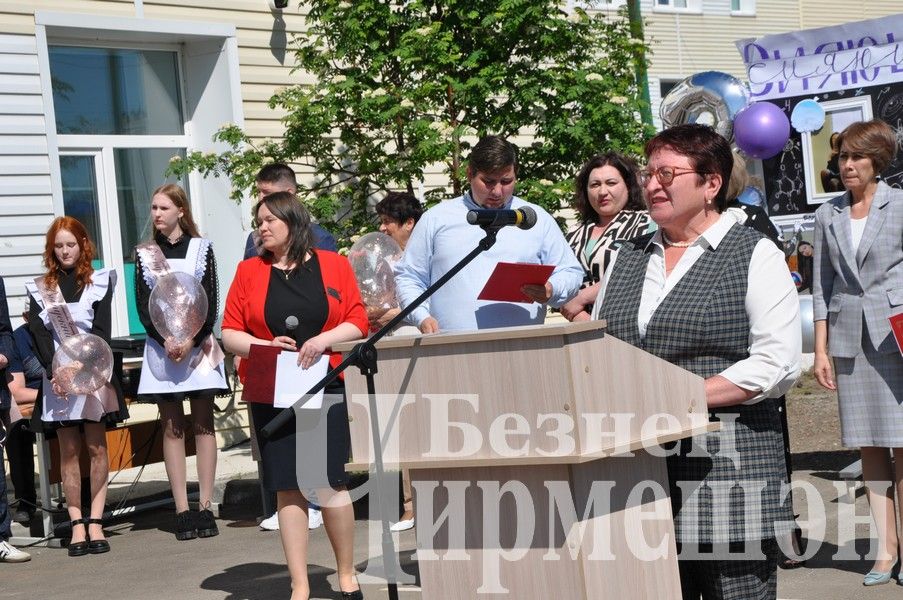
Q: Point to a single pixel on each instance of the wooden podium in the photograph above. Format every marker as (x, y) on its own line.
(534, 455)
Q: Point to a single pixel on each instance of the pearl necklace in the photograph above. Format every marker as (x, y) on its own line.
(677, 244)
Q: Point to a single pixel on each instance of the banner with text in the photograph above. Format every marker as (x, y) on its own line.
(816, 61)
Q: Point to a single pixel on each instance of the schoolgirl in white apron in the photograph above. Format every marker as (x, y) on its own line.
(71, 286)
(192, 371)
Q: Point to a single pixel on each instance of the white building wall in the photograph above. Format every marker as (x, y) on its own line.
(26, 200)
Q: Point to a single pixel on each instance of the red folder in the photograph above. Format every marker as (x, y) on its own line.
(896, 325)
(260, 381)
(507, 279)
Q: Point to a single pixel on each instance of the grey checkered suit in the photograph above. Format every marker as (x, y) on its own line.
(702, 326)
(856, 292)
(852, 289)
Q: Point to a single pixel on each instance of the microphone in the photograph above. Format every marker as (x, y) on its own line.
(291, 323)
(522, 218)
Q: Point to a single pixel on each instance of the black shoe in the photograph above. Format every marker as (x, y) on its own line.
(22, 516)
(79, 548)
(185, 529)
(355, 595)
(97, 546)
(205, 524)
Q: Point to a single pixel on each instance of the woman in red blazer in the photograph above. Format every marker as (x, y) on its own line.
(317, 288)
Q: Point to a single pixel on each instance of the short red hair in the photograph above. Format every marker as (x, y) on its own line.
(83, 268)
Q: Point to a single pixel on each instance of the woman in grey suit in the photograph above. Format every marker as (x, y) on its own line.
(858, 284)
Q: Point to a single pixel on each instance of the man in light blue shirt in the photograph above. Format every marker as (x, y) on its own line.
(443, 237)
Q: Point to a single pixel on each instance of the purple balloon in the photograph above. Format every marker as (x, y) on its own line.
(761, 130)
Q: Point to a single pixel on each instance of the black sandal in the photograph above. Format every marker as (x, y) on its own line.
(79, 548)
(97, 546)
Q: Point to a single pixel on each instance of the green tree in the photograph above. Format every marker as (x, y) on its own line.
(403, 86)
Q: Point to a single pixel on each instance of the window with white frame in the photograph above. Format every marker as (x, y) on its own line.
(677, 6)
(119, 115)
(743, 7)
(121, 97)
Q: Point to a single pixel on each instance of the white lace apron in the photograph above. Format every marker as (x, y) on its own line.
(159, 374)
(89, 407)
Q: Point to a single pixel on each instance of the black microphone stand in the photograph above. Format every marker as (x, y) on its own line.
(364, 356)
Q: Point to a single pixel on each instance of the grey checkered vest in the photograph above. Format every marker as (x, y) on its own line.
(726, 486)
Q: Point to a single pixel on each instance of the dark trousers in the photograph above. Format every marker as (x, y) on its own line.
(20, 450)
(5, 531)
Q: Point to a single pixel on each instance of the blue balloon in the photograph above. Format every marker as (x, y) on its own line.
(808, 116)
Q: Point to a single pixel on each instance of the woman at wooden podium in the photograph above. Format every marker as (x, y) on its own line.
(301, 299)
(716, 298)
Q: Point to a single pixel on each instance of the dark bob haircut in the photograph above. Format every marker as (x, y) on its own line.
(628, 169)
(400, 206)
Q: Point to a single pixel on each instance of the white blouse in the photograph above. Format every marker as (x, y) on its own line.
(772, 306)
(857, 228)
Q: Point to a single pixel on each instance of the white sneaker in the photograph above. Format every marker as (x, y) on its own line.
(11, 554)
(271, 523)
(314, 518)
(403, 525)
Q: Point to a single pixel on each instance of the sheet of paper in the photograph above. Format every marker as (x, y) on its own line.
(292, 381)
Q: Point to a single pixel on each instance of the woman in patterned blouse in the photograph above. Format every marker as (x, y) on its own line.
(610, 202)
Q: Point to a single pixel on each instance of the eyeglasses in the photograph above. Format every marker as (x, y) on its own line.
(664, 175)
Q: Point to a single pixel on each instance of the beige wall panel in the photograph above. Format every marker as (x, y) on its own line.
(16, 23)
(252, 56)
(258, 17)
(276, 76)
(259, 111)
(110, 8)
(822, 13)
(705, 42)
(683, 44)
(230, 5)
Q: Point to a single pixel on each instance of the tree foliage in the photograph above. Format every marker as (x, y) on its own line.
(406, 87)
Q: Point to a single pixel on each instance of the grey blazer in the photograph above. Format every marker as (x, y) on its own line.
(852, 289)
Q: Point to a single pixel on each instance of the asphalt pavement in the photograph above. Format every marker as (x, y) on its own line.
(245, 563)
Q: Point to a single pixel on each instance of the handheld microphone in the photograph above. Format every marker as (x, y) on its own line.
(291, 323)
(522, 218)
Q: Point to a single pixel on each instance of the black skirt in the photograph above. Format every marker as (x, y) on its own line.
(208, 394)
(309, 454)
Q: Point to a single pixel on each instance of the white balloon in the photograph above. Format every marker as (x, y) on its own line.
(178, 307)
(82, 364)
(373, 258)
